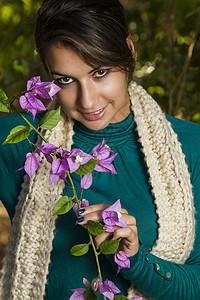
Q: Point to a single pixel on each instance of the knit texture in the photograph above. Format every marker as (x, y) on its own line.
(25, 266)
(169, 178)
(30, 242)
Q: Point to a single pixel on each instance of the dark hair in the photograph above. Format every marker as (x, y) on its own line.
(95, 29)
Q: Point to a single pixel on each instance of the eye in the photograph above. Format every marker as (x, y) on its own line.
(64, 80)
(101, 73)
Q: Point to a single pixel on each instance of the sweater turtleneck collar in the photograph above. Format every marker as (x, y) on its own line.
(115, 133)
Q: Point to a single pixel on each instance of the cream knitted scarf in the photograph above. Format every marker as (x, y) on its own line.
(26, 263)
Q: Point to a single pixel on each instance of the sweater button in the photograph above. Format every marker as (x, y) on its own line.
(168, 274)
(157, 267)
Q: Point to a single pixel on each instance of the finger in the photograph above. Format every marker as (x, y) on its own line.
(129, 233)
(92, 212)
(83, 219)
(100, 238)
(115, 235)
(129, 243)
(124, 211)
(94, 208)
(129, 219)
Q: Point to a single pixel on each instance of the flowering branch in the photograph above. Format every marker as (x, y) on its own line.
(63, 163)
(30, 125)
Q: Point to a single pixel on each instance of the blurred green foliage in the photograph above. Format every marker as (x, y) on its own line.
(165, 34)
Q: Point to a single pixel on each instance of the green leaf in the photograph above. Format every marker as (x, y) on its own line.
(109, 246)
(79, 250)
(17, 134)
(4, 103)
(88, 167)
(120, 297)
(89, 295)
(95, 228)
(63, 205)
(50, 119)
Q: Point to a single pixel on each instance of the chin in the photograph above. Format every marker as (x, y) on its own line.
(94, 125)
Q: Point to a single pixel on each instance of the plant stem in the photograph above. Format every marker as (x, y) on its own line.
(90, 235)
(30, 125)
(97, 258)
(73, 188)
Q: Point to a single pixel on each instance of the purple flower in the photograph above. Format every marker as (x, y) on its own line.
(97, 283)
(83, 203)
(58, 170)
(78, 294)
(32, 104)
(43, 89)
(122, 260)
(31, 163)
(86, 181)
(36, 87)
(136, 298)
(108, 289)
(77, 158)
(112, 216)
(102, 152)
(85, 281)
(47, 149)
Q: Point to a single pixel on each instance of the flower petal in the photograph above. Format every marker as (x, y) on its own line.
(86, 181)
(122, 222)
(77, 158)
(97, 283)
(32, 163)
(108, 228)
(108, 289)
(31, 82)
(115, 207)
(47, 148)
(78, 294)
(53, 177)
(86, 282)
(122, 260)
(32, 104)
(110, 218)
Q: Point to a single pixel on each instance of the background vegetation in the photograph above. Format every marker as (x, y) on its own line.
(166, 37)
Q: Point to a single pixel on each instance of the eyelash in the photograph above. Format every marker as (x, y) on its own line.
(105, 73)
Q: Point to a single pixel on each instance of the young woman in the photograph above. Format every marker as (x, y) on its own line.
(86, 48)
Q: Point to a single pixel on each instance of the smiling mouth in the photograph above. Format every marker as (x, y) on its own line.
(96, 112)
(96, 115)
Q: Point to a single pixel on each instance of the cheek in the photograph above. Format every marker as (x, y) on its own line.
(115, 91)
(66, 99)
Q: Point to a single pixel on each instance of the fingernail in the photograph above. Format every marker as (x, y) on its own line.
(81, 211)
(79, 220)
(110, 237)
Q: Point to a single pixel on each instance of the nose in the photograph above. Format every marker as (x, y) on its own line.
(87, 96)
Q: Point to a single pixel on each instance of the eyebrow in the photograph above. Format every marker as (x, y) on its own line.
(65, 75)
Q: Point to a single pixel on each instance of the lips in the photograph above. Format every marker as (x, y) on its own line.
(96, 115)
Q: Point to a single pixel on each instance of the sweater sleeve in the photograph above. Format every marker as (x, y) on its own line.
(164, 280)
(161, 279)
(12, 157)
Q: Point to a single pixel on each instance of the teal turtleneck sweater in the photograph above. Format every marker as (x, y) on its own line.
(157, 278)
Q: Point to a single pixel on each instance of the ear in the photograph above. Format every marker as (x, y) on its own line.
(130, 44)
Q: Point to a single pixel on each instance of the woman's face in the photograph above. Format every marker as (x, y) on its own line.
(93, 96)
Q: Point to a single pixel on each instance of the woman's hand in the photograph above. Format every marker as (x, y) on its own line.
(129, 243)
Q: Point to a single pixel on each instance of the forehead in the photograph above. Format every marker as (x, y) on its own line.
(61, 59)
